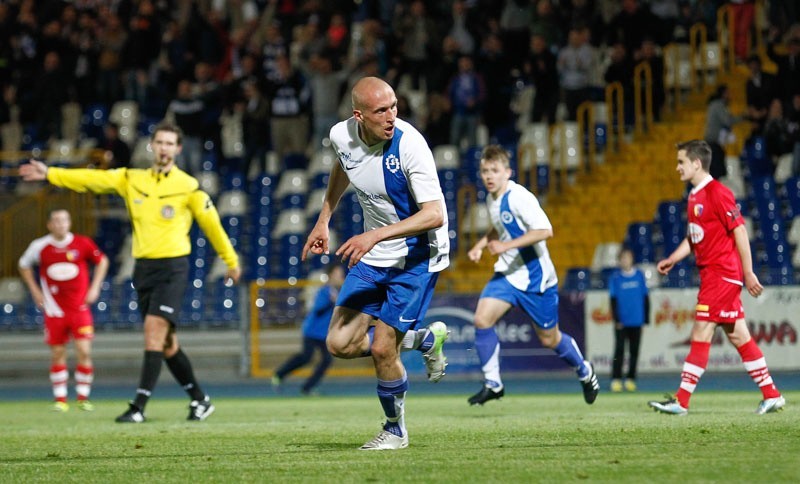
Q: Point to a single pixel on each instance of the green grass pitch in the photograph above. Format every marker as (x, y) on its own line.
(523, 438)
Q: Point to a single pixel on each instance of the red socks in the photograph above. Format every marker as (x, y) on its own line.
(693, 368)
(756, 366)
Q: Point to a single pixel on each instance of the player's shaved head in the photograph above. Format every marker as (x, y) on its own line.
(368, 90)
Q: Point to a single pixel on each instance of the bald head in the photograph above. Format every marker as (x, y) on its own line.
(367, 90)
(375, 109)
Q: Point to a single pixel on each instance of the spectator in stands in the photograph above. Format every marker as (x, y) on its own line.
(494, 67)
(630, 310)
(788, 66)
(315, 331)
(369, 44)
(718, 130)
(111, 39)
(631, 25)
(437, 120)
(64, 294)
(467, 93)
(620, 70)
(463, 27)
(49, 94)
(576, 63)
(255, 127)
(141, 49)
(543, 73)
(290, 97)
(418, 39)
(759, 92)
(545, 23)
(743, 12)
(777, 137)
(326, 85)
(446, 66)
(273, 48)
(116, 153)
(515, 24)
(647, 53)
(188, 109)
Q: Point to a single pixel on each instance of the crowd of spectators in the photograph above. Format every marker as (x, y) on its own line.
(286, 66)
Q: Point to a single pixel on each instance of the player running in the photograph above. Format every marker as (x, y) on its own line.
(524, 277)
(395, 263)
(721, 247)
(64, 295)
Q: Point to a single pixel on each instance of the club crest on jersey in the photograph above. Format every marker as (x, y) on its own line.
(392, 163)
(168, 211)
(506, 217)
(698, 210)
(72, 255)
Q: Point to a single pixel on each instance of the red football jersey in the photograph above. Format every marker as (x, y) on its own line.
(63, 271)
(713, 214)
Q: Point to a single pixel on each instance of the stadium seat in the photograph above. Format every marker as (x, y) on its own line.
(232, 202)
(93, 119)
(126, 115)
(447, 157)
(142, 156)
(640, 239)
(605, 255)
(320, 166)
(209, 182)
(471, 164)
(578, 279)
(792, 188)
(231, 135)
(71, 121)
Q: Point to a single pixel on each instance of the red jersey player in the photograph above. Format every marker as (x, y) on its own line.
(64, 296)
(718, 238)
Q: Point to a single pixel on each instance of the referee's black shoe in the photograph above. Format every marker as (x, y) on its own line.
(485, 395)
(132, 415)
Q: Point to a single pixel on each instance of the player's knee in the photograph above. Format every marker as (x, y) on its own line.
(482, 322)
(549, 340)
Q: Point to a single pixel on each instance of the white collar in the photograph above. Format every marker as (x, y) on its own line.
(702, 184)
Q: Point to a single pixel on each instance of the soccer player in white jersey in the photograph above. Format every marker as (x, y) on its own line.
(394, 264)
(524, 277)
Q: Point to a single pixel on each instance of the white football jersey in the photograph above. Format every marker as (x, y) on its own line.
(514, 213)
(392, 179)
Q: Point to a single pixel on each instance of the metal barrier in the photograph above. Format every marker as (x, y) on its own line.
(467, 197)
(725, 32)
(698, 43)
(616, 117)
(641, 125)
(672, 58)
(586, 126)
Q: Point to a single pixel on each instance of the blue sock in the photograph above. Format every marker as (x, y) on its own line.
(371, 336)
(568, 351)
(392, 394)
(487, 345)
(427, 341)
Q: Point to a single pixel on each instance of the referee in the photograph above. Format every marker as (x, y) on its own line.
(162, 201)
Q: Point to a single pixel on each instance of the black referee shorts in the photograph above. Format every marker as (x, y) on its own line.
(161, 284)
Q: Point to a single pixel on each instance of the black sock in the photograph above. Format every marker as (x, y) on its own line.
(181, 368)
(151, 368)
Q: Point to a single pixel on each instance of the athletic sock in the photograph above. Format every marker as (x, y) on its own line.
(411, 340)
(84, 376)
(487, 345)
(181, 368)
(756, 365)
(58, 378)
(693, 368)
(151, 368)
(371, 336)
(567, 349)
(392, 395)
(426, 340)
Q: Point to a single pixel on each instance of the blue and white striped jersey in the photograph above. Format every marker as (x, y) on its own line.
(514, 213)
(392, 179)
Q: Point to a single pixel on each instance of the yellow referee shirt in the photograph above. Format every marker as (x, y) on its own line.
(161, 208)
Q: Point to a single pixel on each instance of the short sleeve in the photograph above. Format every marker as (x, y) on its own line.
(420, 169)
(727, 209)
(526, 208)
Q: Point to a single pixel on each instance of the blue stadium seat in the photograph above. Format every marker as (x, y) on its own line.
(640, 239)
(792, 188)
(578, 279)
(471, 164)
(93, 119)
(295, 161)
(679, 277)
(764, 187)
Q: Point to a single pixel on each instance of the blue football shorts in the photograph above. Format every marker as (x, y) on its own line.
(398, 297)
(542, 307)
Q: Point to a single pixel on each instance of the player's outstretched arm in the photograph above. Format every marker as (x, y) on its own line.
(751, 282)
(33, 171)
(683, 251)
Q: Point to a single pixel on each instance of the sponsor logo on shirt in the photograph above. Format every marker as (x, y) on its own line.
(392, 163)
(696, 233)
(168, 211)
(62, 271)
